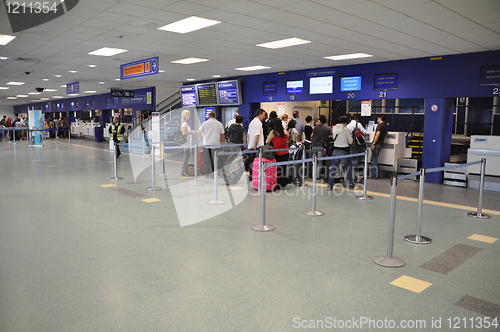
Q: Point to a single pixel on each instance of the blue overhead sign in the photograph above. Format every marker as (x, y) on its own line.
(73, 88)
(140, 68)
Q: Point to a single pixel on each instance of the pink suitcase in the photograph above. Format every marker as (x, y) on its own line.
(271, 174)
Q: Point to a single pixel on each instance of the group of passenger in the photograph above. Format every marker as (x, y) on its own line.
(19, 121)
(284, 134)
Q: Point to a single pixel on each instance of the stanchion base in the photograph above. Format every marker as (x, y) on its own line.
(196, 183)
(418, 239)
(116, 179)
(216, 202)
(478, 215)
(389, 262)
(163, 174)
(364, 198)
(262, 228)
(304, 186)
(312, 213)
(153, 188)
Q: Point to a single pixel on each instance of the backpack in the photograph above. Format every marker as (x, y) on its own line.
(235, 133)
(358, 139)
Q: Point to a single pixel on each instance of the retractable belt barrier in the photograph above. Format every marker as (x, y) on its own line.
(388, 260)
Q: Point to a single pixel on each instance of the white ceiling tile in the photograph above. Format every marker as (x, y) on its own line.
(275, 15)
(81, 11)
(187, 8)
(365, 8)
(245, 7)
(305, 7)
(114, 17)
(100, 24)
(338, 3)
(395, 4)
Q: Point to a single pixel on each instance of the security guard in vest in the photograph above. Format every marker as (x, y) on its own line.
(116, 131)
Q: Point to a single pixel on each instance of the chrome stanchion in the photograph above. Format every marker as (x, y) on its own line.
(69, 136)
(479, 214)
(314, 192)
(163, 163)
(153, 171)
(303, 175)
(262, 227)
(196, 183)
(259, 192)
(418, 238)
(365, 176)
(115, 152)
(388, 260)
(215, 201)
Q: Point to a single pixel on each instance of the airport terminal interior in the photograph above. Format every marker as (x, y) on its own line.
(80, 252)
(91, 242)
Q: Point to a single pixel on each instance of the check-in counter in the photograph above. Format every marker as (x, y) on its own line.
(487, 147)
(394, 149)
(89, 129)
(106, 131)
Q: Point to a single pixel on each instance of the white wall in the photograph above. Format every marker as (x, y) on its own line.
(6, 110)
(305, 108)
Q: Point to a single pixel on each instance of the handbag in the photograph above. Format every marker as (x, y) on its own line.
(330, 145)
(265, 152)
(179, 138)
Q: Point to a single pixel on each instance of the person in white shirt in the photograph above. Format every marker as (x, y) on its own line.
(212, 133)
(343, 139)
(255, 138)
(186, 131)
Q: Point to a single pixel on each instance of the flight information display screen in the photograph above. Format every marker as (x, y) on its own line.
(385, 81)
(188, 95)
(207, 94)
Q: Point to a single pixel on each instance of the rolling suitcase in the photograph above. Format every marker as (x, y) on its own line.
(271, 174)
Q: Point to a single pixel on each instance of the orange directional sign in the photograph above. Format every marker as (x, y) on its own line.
(139, 68)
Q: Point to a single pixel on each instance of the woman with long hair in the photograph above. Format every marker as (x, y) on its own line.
(186, 130)
(278, 137)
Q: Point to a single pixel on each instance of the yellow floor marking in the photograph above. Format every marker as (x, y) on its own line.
(235, 188)
(151, 200)
(108, 185)
(483, 238)
(411, 284)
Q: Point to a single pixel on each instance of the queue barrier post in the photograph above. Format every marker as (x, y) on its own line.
(303, 175)
(153, 171)
(115, 157)
(163, 163)
(314, 190)
(388, 260)
(479, 213)
(418, 238)
(216, 200)
(365, 177)
(262, 227)
(195, 183)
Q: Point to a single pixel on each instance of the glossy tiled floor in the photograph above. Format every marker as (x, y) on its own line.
(79, 252)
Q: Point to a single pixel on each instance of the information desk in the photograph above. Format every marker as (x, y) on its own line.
(394, 149)
(484, 147)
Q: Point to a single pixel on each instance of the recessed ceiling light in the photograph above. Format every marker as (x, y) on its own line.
(107, 51)
(58, 75)
(189, 61)
(33, 93)
(189, 24)
(21, 96)
(45, 79)
(57, 97)
(92, 66)
(90, 91)
(190, 79)
(73, 94)
(73, 71)
(45, 98)
(161, 71)
(11, 97)
(5, 39)
(3, 58)
(348, 56)
(102, 82)
(117, 79)
(215, 75)
(284, 43)
(4, 88)
(252, 68)
(50, 90)
(16, 83)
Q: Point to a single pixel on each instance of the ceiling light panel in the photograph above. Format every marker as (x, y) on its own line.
(107, 51)
(5, 39)
(284, 43)
(348, 56)
(189, 24)
(16, 83)
(252, 68)
(189, 61)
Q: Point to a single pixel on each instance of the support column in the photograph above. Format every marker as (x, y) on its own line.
(438, 126)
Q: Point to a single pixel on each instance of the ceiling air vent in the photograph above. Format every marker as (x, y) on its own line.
(27, 60)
